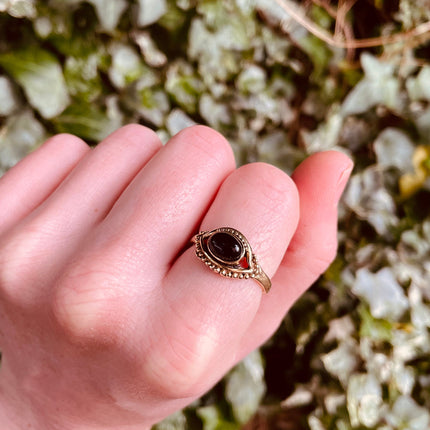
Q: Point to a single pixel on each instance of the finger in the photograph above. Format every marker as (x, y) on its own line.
(320, 180)
(99, 179)
(68, 217)
(204, 313)
(132, 249)
(165, 203)
(26, 185)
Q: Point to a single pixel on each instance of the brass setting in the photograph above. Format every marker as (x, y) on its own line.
(227, 252)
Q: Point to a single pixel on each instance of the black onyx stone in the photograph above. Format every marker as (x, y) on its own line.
(225, 246)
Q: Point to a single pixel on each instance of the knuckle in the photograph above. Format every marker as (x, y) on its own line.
(139, 141)
(68, 142)
(210, 143)
(9, 270)
(138, 135)
(18, 257)
(274, 184)
(185, 356)
(88, 308)
(322, 259)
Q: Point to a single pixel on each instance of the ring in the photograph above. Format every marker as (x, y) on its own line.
(226, 251)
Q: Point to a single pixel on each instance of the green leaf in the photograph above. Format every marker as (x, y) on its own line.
(40, 75)
(8, 97)
(379, 86)
(408, 415)
(374, 328)
(245, 387)
(109, 12)
(150, 11)
(176, 421)
(19, 9)
(174, 17)
(364, 400)
(213, 419)
(127, 65)
(87, 121)
(319, 53)
(183, 85)
(20, 135)
(83, 77)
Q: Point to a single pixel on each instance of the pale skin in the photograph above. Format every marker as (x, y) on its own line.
(107, 317)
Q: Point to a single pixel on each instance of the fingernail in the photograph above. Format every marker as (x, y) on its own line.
(343, 179)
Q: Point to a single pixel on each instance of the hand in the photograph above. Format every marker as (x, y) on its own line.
(107, 317)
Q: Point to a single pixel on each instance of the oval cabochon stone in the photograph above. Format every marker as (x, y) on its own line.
(225, 246)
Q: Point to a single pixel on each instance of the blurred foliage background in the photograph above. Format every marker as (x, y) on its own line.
(281, 80)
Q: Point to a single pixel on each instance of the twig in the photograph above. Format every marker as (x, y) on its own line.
(341, 24)
(342, 11)
(317, 31)
(342, 27)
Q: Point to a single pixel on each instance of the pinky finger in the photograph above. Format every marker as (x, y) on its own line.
(26, 185)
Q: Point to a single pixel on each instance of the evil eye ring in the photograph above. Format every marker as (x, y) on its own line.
(227, 252)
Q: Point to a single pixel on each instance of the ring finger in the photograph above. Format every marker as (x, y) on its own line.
(205, 314)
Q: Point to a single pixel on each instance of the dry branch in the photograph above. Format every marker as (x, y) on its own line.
(298, 15)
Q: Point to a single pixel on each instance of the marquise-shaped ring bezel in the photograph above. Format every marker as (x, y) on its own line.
(245, 266)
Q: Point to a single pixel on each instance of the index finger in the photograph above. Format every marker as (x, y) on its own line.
(320, 180)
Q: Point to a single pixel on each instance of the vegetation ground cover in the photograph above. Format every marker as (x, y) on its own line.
(281, 80)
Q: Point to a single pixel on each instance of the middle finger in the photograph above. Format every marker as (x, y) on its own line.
(164, 204)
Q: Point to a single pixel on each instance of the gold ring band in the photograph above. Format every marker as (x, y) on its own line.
(227, 252)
